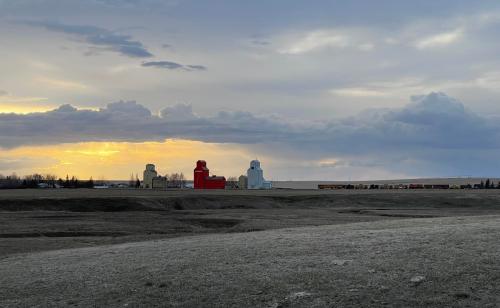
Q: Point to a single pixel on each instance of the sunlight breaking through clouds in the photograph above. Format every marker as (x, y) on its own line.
(333, 78)
(316, 40)
(440, 40)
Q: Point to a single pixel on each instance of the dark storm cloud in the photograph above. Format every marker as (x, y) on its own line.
(99, 37)
(431, 121)
(163, 64)
(434, 128)
(173, 66)
(196, 67)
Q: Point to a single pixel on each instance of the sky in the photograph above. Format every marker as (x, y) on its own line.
(323, 90)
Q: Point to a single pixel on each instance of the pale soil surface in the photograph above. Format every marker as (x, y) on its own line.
(281, 248)
(452, 261)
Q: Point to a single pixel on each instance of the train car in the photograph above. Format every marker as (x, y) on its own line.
(441, 186)
(331, 186)
(416, 186)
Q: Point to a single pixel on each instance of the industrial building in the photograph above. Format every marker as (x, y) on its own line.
(151, 179)
(242, 182)
(203, 180)
(160, 182)
(255, 176)
(148, 176)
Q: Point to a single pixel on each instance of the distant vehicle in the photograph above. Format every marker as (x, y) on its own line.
(101, 186)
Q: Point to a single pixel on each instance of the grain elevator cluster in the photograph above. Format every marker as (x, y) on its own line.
(254, 179)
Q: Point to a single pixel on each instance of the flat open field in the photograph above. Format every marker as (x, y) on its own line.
(280, 248)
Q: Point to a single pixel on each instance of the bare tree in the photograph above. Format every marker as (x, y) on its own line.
(173, 180)
(137, 181)
(51, 179)
(232, 182)
(182, 180)
(131, 181)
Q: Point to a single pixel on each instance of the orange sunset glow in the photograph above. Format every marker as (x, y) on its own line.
(117, 160)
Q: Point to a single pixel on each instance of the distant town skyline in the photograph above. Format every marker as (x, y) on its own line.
(329, 90)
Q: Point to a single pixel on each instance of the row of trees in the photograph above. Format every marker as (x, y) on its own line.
(48, 180)
(488, 185)
(176, 180)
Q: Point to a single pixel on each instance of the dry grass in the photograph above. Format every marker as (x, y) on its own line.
(363, 264)
(237, 249)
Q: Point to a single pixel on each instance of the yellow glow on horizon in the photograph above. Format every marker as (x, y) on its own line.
(26, 109)
(117, 160)
(23, 104)
(20, 109)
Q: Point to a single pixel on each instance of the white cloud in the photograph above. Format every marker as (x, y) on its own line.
(366, 47)
(61, 84)
(391, 41)
(440, 40)
(489, 80)
(316, 40)
(358, 92)
(402, 87)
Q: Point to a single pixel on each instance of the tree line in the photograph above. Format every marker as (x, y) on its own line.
(488, 185)
(43, 181)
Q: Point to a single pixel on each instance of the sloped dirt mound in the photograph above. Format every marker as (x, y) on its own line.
(211, 222)
(63, 234)
(78, 205)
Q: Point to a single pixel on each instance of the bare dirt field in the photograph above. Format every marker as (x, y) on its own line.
(280, 248)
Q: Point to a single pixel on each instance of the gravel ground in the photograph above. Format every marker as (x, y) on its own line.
(429, 262)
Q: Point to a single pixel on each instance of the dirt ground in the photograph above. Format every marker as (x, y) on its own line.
(280, 248)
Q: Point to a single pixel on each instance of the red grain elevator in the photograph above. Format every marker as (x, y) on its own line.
(203, 180)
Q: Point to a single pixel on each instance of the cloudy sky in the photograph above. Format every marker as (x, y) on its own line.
(332, 90)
